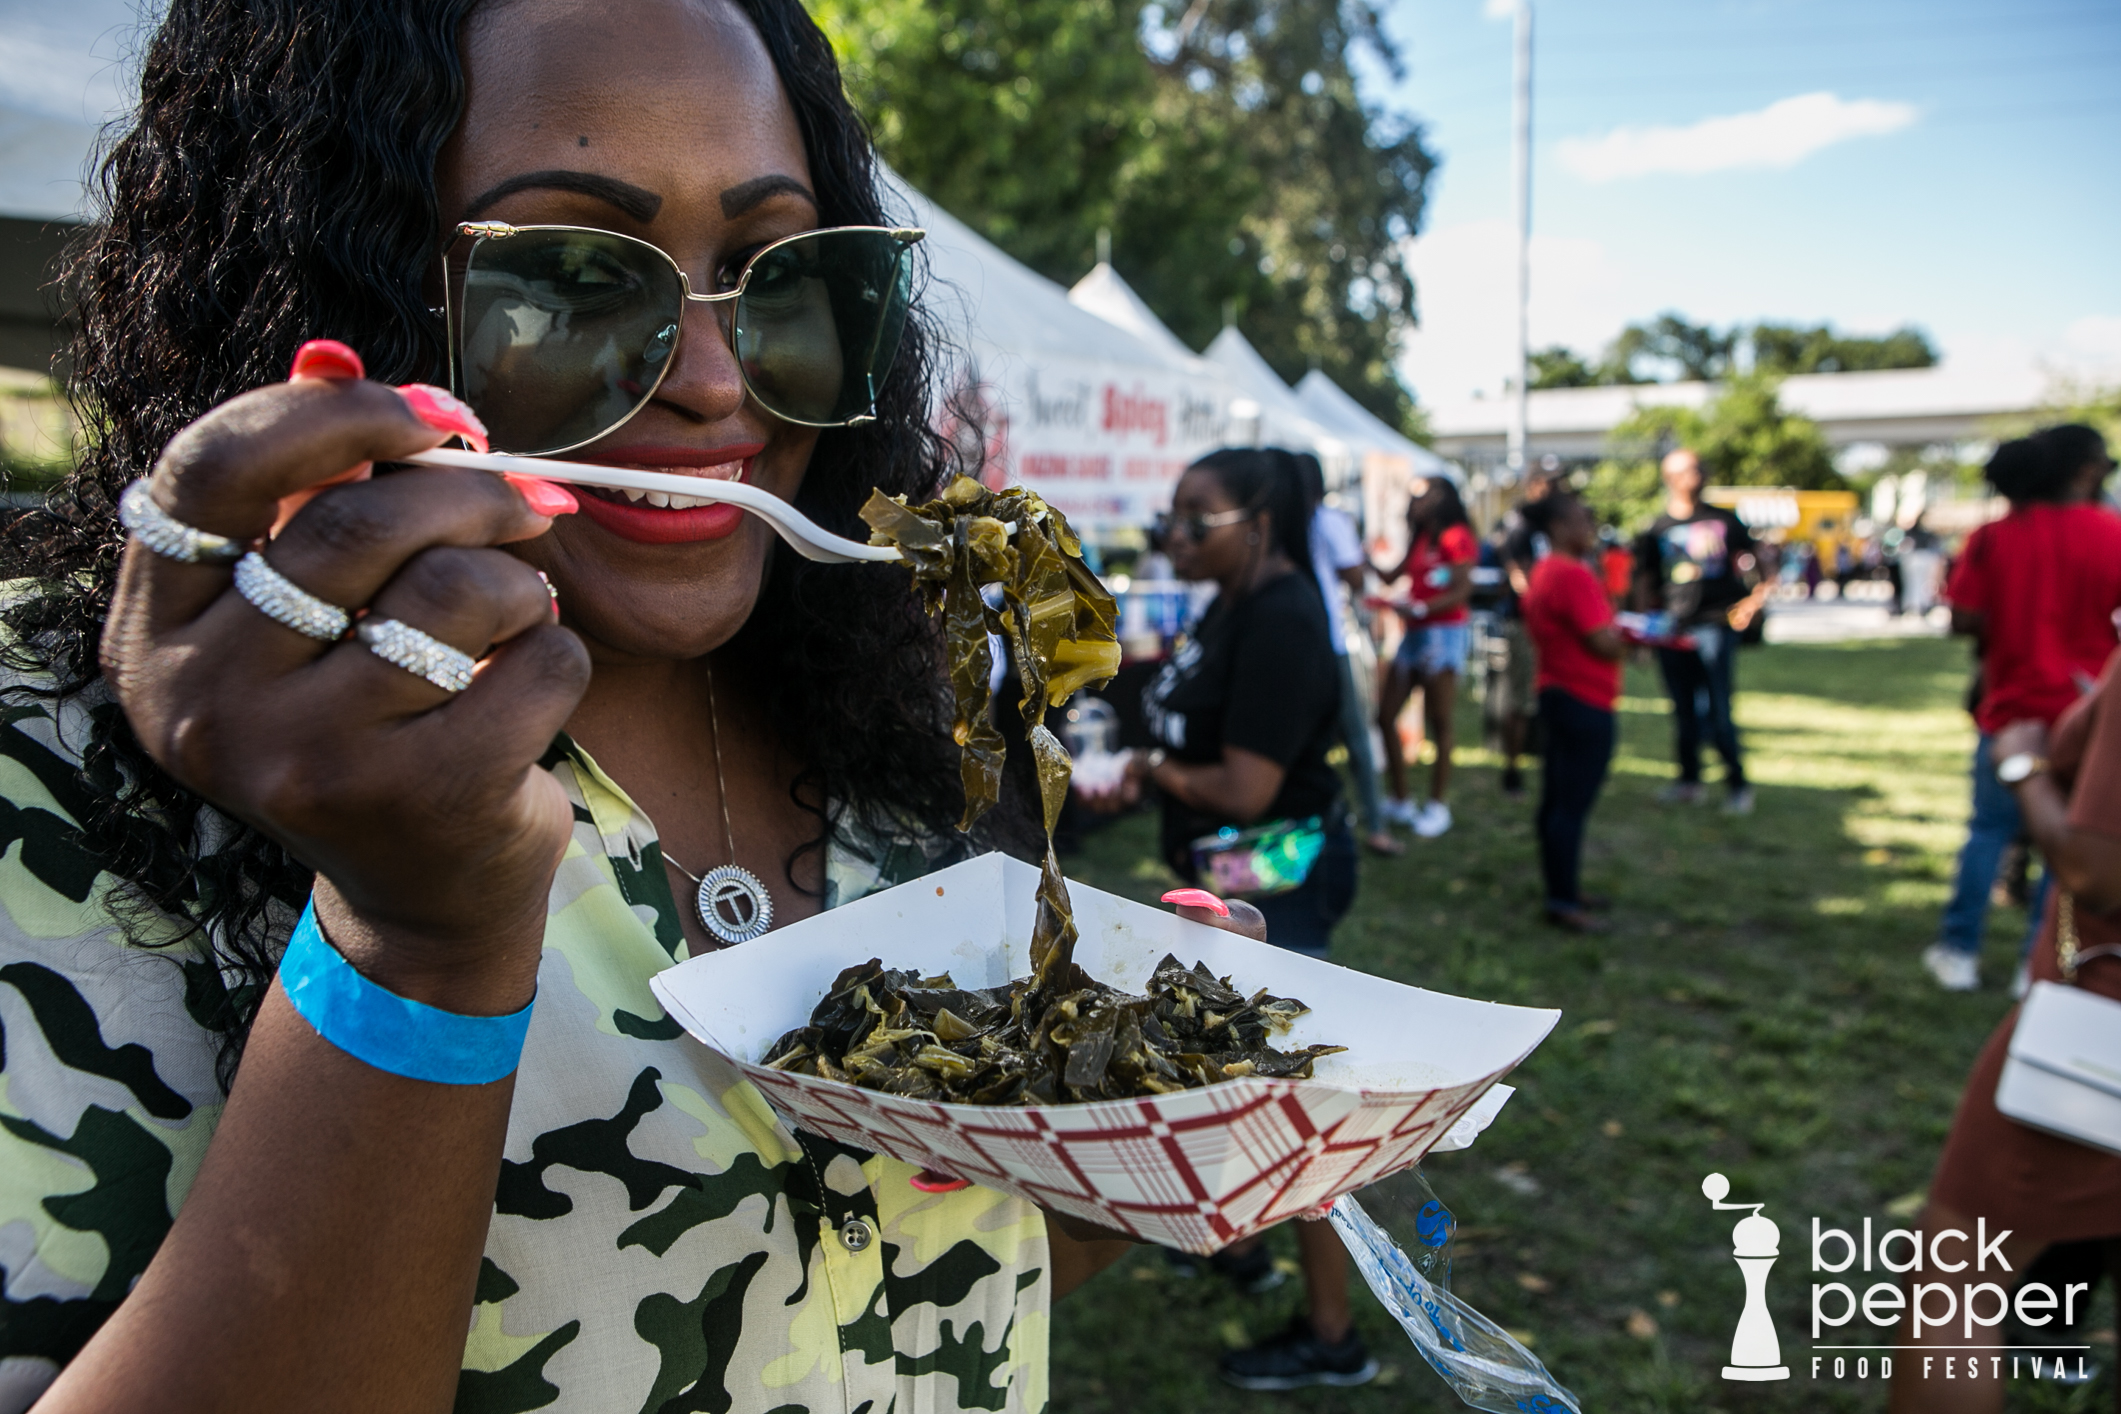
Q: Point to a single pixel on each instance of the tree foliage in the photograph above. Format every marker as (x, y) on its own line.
(1672, 347)
(1225, 148)
(1791, 348)
(1559, 367)
(1745, 437)
(1696, 353)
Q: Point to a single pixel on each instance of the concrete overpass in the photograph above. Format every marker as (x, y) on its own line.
(1904, 407)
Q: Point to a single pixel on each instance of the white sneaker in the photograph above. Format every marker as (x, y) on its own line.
(1402, 812)
(1740, 802)
(1435, 818)
(1954, 970)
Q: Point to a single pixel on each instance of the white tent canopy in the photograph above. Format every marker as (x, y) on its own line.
(1390, 463)
(1113, 300)
(1283, 422)
(1096, 418)
(1332, 406)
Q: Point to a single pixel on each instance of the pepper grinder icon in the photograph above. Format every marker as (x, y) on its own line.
(1756, 1353)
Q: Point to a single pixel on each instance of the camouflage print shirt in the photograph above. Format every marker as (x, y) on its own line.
(661, 1241)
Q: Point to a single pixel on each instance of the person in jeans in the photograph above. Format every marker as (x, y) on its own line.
(1245, 711)
(1439, 565)
(2037, 591)
(1698, 564)
(1570, 622)
(1338, 559)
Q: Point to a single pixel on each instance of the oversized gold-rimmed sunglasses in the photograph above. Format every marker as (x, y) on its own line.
(560, 334)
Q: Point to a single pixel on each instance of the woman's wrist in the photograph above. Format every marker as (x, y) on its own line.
(490, 971)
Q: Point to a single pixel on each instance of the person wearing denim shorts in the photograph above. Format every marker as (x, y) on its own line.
(1432, 655)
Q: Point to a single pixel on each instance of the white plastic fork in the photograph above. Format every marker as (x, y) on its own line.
(811, 540)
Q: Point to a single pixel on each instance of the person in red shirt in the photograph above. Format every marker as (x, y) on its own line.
(1439, 566)
(1617, 564)
(2038, 591)
(1579, 650)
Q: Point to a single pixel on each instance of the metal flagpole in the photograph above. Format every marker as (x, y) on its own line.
(1521, 170)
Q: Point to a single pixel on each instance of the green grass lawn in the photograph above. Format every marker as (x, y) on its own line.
(1758, 1009)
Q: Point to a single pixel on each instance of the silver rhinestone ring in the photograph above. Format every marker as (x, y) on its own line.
(421, 654)
(169, 537)
(283, 601)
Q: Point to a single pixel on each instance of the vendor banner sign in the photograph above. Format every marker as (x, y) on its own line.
(1104, 444)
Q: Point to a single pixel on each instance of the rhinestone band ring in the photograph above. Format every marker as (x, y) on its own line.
(283, 601)
(421, 654)
(169, 537)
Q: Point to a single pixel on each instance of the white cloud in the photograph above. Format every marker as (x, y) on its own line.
(1465, 278)
(2094, 340)
(1780, 135)
(1499, 9)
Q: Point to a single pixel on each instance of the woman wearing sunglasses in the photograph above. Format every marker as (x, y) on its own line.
(1245, 713)
(478, 758)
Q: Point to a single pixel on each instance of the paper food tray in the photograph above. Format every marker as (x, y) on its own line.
(1196, 1170)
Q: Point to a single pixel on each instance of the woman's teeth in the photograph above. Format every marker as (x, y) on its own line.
(671, 501)
(662, 499)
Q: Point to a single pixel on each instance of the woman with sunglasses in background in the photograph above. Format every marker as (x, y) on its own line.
(478, 758)
(1441, 551)
(1244, 713)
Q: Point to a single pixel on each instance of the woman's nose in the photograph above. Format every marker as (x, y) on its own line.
(705, 381)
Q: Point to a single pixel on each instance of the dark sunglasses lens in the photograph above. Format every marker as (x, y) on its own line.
(564, 335)
(819, 322)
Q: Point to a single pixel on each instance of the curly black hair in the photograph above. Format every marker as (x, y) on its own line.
(276, 183)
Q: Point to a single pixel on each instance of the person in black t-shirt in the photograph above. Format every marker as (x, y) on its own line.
(1245, 711)
(1698, 563)
(1248, 706)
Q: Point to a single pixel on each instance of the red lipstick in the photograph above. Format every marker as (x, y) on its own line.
(647, 524)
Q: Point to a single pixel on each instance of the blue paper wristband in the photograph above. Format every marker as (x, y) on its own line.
(390, 1032)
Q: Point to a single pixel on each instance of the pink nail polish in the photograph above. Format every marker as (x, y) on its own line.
(547, 498)
(326, 358)
(1198, 898)
(442, 410)
(929, 1181)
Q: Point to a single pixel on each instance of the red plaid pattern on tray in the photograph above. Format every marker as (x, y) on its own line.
(1196, 1170)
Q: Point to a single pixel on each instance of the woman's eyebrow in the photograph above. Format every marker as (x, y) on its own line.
(744, 195)
(636, 202)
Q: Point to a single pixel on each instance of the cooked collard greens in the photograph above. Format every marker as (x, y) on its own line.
(1059, 1035)
(930, 1039)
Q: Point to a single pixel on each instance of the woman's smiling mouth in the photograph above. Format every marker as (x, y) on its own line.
(660, 517)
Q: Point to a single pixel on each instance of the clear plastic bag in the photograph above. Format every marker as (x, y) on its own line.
(1477, 1358)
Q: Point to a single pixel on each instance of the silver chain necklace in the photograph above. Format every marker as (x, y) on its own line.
(732, 903)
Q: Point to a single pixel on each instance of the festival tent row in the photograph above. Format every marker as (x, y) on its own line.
(1085, 396)
(1390, 462)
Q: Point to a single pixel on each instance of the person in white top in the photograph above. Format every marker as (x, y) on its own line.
(1337, 556)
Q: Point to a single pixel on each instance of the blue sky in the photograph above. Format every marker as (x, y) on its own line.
(1947, 163)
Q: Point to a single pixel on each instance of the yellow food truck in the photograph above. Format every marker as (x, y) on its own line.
(1785, 516)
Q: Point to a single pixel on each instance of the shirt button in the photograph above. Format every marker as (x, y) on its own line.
(856, 1236)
